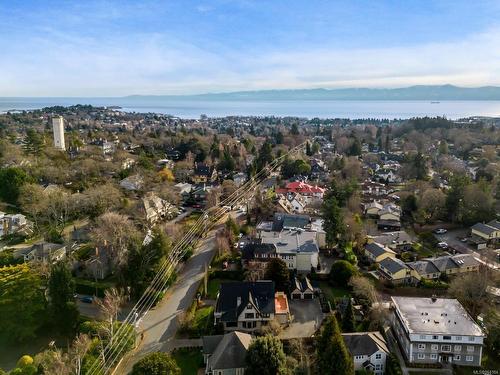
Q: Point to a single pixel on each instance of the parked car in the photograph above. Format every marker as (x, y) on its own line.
(440, 231)
(442, 245)
(87, 299)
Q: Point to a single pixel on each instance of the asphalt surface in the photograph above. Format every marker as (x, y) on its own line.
(160, 324)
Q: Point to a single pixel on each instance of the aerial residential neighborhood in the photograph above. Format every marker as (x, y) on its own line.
(213, 187)
(318, 253)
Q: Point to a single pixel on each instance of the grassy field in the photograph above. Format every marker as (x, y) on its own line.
(333, 293)
(189, 360)
(213, 288)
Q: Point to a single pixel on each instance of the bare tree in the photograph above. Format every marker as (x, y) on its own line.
(117, 231)
(109, 307)
(363, 289)
(77, 352)
(470, 290)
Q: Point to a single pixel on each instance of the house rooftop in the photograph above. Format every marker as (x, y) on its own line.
(435, 316)
(227, 351)
(291, 241)
(365, 343)
(377, 249)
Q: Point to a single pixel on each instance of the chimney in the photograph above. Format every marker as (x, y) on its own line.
(96, 251)
(238, 301)
(433, 298)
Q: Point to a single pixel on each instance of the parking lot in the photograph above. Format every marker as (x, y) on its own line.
(307, 316)
(452, 238)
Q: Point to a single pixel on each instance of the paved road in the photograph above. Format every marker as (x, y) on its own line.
(160, 325)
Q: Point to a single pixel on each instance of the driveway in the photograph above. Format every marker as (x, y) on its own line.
(452, 238)
(306, 318)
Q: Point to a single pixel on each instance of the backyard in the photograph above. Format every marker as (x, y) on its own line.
(190, 360)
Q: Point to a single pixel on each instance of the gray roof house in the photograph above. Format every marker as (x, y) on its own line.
(45, 252)
(225, 354)
(368, 349)
(245, 305)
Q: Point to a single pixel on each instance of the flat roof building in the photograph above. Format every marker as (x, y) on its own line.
(436, 330)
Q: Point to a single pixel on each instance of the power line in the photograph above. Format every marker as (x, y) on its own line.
(204, 223)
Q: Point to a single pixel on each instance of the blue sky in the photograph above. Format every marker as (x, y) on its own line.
(108, 48)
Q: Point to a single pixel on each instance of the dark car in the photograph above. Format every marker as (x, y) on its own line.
(87, 299)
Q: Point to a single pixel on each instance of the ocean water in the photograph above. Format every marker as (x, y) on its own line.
(193, 108)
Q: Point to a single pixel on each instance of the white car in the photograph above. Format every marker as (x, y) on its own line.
(440, 231)
(442, 245)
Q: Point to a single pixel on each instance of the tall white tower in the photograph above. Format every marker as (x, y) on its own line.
(58, 128)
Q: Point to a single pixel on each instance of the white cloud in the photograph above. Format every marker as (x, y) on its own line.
(61, 64)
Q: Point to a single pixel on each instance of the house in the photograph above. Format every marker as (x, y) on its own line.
(226, 354)
(154, 209)
(372, 209)
(240, 178)
(390, 225)
(45, 252)
(397, 272)
(398, 241)
(433, 268)
(248, 305)
(368, 350)
(297, 248)
(490, 232)
(203, 173)
(301, 289)
(436, 330)
(99, 266)
(303, 188)
(374, 189)
(389, 212)
(132, 183)
(292, 202)
(376, 252)
(11, 223)
(289, 221)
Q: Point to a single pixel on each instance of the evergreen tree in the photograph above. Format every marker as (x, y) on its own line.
(295, 129)
(265, 356)
(355, 149)
(278, 272)
(308, 149)
(333, 356)
(157, 363)
(348, 318)
(62, 306)
(11, 181)
(33, 143)
(333, 220)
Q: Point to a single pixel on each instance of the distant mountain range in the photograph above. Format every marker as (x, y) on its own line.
(423, 92)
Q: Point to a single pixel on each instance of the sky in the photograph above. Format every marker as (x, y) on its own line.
(118, 48)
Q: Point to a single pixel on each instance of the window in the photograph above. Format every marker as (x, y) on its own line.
(471, 338)
(249, 315)
(249, 306)
(457, 348)
(435, 347)
(446, 348)
(378, 366)
(470, 348)
(423, 337)
(435, 337)
(421, 356)
(378, 356)
(434, 356)
(469, 358)
(458, 338)
(421, 346)
(358, 357)
(446, 337)
(456, 357)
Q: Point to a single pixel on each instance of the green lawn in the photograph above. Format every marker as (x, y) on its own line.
(213, 288)
(201, 323)
(189, 360)
(333, 293)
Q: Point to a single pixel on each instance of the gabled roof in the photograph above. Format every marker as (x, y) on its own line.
(423, 267)
(226, 351)
(443, 263)
(393, 265)
(392, 238)
(260, 293)
(494, 224)
(377, 249)
(484, 228)
(302, 284)
(252, 249)
(283, 221)
(365, 343)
